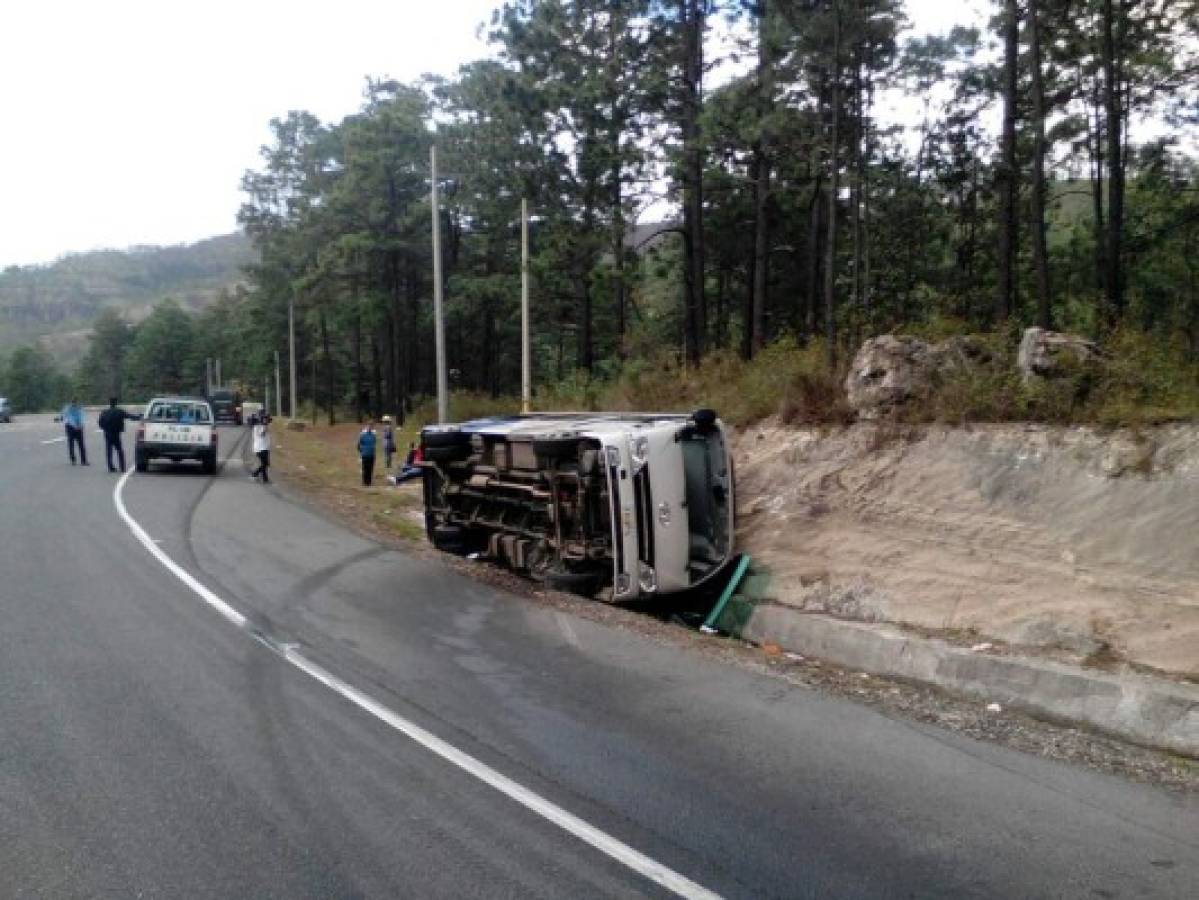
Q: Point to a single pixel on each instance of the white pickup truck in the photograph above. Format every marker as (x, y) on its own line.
(176, 428)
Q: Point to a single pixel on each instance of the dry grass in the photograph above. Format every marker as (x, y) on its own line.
(322, 461)
(784, 380)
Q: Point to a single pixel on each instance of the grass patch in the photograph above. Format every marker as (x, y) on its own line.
(322, 461)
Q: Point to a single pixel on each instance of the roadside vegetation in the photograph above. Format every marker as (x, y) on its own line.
(802, 223)
(322, 461)
(1141, 382)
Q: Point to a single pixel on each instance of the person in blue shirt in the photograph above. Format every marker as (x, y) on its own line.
(366, 452)
(72, 419)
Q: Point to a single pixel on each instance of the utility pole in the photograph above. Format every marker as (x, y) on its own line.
(438, 320)
(219, 382)
(526, 373)
(266, 395)
(278, 389)
(208, 376)
(291, 346)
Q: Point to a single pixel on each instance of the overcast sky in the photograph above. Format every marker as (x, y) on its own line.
(131, 121)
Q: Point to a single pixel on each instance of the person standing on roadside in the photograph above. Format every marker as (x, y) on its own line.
(112, 423)
(262, 447)
(389, 442)
(72, 418)
(366, 452)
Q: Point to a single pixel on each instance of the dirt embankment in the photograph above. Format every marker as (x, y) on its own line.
(1064, 542)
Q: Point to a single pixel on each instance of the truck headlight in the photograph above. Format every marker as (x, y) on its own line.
(639, 449)
(647, 579)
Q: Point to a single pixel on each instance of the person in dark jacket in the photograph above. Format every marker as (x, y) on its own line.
(389, 442)
(366, 452)
(112, 423)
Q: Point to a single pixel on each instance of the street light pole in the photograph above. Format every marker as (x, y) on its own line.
(438, 319)
(278, 389)
(291, 348)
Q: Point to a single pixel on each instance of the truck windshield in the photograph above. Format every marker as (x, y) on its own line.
(183, 413)
(706, 470)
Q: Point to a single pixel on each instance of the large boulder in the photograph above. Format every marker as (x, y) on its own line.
(891, 370)
(886, 372)
(1053, 354)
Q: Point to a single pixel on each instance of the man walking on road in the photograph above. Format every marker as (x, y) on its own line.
(72, 418)
(262, 448)
(112, 423)
(366, 452)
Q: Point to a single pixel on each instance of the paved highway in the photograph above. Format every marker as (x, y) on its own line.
(207, 690)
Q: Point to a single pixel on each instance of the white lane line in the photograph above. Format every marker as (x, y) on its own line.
(57, 440)
(568, 822)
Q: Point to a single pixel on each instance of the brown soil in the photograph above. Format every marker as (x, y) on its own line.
(1063, 542)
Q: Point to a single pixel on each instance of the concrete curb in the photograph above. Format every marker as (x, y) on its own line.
(1152, 712)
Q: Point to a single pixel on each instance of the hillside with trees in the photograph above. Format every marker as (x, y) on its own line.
(68, 295)
(802, 217)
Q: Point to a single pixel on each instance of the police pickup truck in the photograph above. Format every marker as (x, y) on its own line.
(176, 428)
(638, 503)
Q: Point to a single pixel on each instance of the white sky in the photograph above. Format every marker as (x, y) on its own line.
(131, 121)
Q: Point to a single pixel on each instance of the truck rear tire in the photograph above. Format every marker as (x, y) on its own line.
(705, 420)
(141, 462)
(209, 464)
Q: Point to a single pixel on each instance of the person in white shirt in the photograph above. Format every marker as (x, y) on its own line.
(262, 448)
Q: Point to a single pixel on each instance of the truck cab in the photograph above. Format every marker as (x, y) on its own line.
(638, 503)
(226, 406)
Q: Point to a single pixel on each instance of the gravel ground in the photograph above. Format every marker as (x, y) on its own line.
(900, 700)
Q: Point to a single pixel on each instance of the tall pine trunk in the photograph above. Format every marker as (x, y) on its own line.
(834, 181)
(1113, 29)
(357, 339)
(695, 324)
(761, 170)
(330, 376)
(616, 119)
(811, 295)
(1039, 247)
(1006, 173)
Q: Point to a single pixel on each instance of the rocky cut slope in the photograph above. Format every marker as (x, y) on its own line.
(1069, 542)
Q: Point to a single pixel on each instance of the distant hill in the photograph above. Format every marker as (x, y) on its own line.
(55, 304)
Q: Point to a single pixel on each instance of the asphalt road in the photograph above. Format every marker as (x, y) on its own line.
(149, 747)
